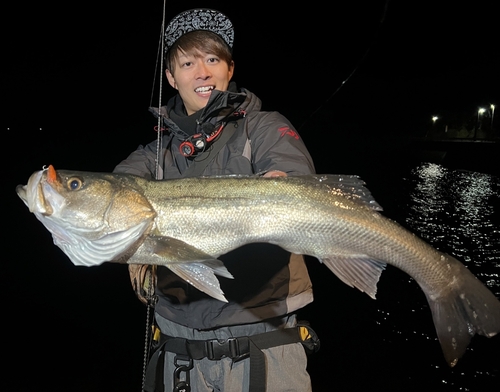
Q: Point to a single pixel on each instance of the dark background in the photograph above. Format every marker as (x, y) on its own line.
(77, 79)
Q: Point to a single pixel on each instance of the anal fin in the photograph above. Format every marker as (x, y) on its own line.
(357, 271)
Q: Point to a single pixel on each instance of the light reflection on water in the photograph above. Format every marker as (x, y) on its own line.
(457, 212)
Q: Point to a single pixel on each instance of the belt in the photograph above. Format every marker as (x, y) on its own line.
(236, 348)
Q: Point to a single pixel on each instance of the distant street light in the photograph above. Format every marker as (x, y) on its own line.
(434, 118)
(478, 126)
(479, 112)
(492, 114)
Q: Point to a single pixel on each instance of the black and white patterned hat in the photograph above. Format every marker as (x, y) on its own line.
(199, 19)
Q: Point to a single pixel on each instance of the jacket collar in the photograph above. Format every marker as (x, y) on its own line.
(221, 105)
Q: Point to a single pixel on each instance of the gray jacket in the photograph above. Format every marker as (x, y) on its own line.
(269, 282)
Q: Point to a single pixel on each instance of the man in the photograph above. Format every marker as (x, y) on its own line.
(214, 128)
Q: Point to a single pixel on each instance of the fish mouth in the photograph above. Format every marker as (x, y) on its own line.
(33, 194)
(21, 192)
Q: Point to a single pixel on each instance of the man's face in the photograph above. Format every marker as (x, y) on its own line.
(196, 75)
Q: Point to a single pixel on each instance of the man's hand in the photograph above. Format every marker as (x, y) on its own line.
(275, 173)
(141, 277)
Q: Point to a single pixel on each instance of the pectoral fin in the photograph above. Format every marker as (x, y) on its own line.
(357, 271)
(191, 264)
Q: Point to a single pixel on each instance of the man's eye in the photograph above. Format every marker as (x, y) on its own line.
(187, 64)
(213, 60)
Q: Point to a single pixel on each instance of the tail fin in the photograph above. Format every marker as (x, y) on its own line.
(467, 309)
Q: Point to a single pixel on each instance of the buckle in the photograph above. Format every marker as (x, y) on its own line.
(229, 348)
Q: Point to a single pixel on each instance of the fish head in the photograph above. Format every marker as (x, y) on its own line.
(93, 217)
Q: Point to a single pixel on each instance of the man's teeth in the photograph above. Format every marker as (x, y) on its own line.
(204, 89)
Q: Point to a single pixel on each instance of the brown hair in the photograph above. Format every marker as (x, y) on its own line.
(198, 41)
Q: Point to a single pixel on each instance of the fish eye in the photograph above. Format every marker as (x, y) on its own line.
(74, 183)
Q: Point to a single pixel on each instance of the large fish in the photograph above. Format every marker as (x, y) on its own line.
(186, 224)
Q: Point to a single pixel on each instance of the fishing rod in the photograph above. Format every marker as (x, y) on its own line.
(356, 67)
(150, 273)
(160, 53)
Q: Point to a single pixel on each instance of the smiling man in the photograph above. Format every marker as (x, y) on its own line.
(252, 342)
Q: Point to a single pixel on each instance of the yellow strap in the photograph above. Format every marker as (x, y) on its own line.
(156, 333)
(304, 333)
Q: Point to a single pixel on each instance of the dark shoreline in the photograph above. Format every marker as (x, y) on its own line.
(474, 155)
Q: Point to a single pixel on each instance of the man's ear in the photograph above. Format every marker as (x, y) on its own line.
(231, 70)
(171, 79)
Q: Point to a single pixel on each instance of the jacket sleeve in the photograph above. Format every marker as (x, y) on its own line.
(276, 145)
(140, 162)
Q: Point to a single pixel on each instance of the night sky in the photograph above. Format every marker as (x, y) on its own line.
(78, 77)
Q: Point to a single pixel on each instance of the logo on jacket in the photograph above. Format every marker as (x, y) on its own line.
(287, 131)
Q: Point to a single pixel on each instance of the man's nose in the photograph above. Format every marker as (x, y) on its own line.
(203, 72)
